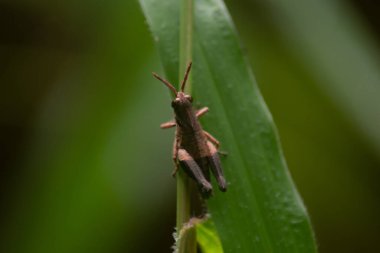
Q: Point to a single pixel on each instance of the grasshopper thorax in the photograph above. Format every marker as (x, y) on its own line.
(183, 110)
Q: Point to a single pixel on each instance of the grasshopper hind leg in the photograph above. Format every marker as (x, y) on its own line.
(216, 167)
(195, 172)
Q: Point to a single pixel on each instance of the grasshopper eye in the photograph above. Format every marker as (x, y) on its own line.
(190, 98)
(175, 102)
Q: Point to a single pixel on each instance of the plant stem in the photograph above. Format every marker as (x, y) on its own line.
(186, 190)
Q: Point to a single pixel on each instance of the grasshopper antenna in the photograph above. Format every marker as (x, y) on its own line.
(186, 76)
(169, 85)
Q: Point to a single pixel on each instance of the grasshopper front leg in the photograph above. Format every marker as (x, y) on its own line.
(168, 124)
(195, 172)
(171, 123)
(201, 112)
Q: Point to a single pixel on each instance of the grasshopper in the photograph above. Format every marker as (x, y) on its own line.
(194, 149)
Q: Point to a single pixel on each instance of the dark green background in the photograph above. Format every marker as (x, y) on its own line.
(84, 165)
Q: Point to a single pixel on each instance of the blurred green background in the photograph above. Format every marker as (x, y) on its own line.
(85, 167)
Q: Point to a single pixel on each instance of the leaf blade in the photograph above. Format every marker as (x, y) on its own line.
(261, 210)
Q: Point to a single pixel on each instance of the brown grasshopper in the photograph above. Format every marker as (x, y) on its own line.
(195, 148)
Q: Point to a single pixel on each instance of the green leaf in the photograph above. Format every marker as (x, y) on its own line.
(261, 211)
(208, 238)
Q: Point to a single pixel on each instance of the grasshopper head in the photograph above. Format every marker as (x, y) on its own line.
(182, 104)
(182, 100)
